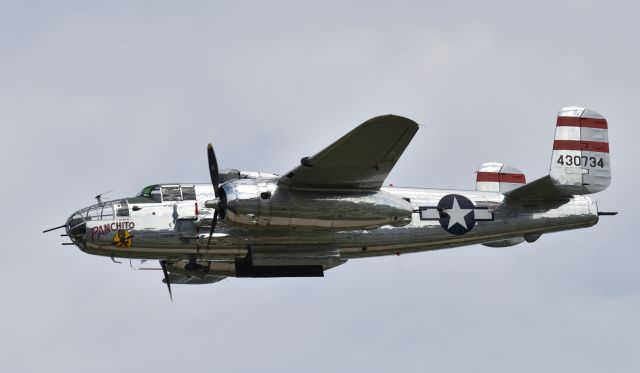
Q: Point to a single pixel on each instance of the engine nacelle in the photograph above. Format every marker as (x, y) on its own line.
(261, 204)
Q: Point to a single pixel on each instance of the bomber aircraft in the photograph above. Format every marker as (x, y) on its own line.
(332, 207)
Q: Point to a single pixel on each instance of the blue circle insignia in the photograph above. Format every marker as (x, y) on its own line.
(456, 214)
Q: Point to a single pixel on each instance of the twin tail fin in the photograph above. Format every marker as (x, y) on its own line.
(498, 177)
(580, 161)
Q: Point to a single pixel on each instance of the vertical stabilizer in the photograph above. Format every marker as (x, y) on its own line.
(498, 177)
(580, 161)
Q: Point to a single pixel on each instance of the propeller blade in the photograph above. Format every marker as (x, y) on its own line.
(163, 264)
(215, 181)
(213, 226)
(213, 169)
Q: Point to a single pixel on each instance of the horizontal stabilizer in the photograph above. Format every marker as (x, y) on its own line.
(542, 188)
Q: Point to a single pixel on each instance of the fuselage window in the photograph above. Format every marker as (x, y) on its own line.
(189, 193)
(171, 193)
(122, 209)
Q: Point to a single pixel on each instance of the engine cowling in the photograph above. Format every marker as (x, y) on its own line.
(261, 204)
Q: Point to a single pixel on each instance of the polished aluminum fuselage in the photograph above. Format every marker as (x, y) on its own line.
(178, 230)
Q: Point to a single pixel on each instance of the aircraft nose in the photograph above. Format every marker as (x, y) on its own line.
(76, 227)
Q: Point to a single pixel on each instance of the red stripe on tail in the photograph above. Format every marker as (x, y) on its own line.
(581, 122)
(590, 146)
(500, 177)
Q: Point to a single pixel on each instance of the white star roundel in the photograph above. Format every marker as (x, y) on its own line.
(456, 214)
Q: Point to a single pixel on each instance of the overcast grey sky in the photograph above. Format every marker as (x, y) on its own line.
(119, 94)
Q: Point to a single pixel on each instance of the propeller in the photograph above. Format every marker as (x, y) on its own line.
(163, 264)
(214, 172)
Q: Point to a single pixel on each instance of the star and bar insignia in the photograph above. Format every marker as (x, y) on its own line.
(456, 214)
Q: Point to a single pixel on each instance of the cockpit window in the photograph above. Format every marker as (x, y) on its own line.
(168, 193)
(189, 193)
(152, 192)
(99, 212)
(146, 192)
(171, 193)
(155, 194)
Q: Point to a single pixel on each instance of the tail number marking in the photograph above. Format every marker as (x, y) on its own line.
(580, 160)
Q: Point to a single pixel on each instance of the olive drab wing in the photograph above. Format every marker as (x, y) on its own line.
(360, 160)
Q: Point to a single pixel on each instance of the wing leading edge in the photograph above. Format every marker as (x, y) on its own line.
(360, 160)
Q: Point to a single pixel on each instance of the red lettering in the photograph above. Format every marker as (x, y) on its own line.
(94, 230)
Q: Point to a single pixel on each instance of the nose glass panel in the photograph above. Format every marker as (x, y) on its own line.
(77, 223)
(76, 227)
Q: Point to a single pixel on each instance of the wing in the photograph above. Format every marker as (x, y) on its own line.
(360, 160)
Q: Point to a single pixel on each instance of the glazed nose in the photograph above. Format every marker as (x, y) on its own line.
(76, 227)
